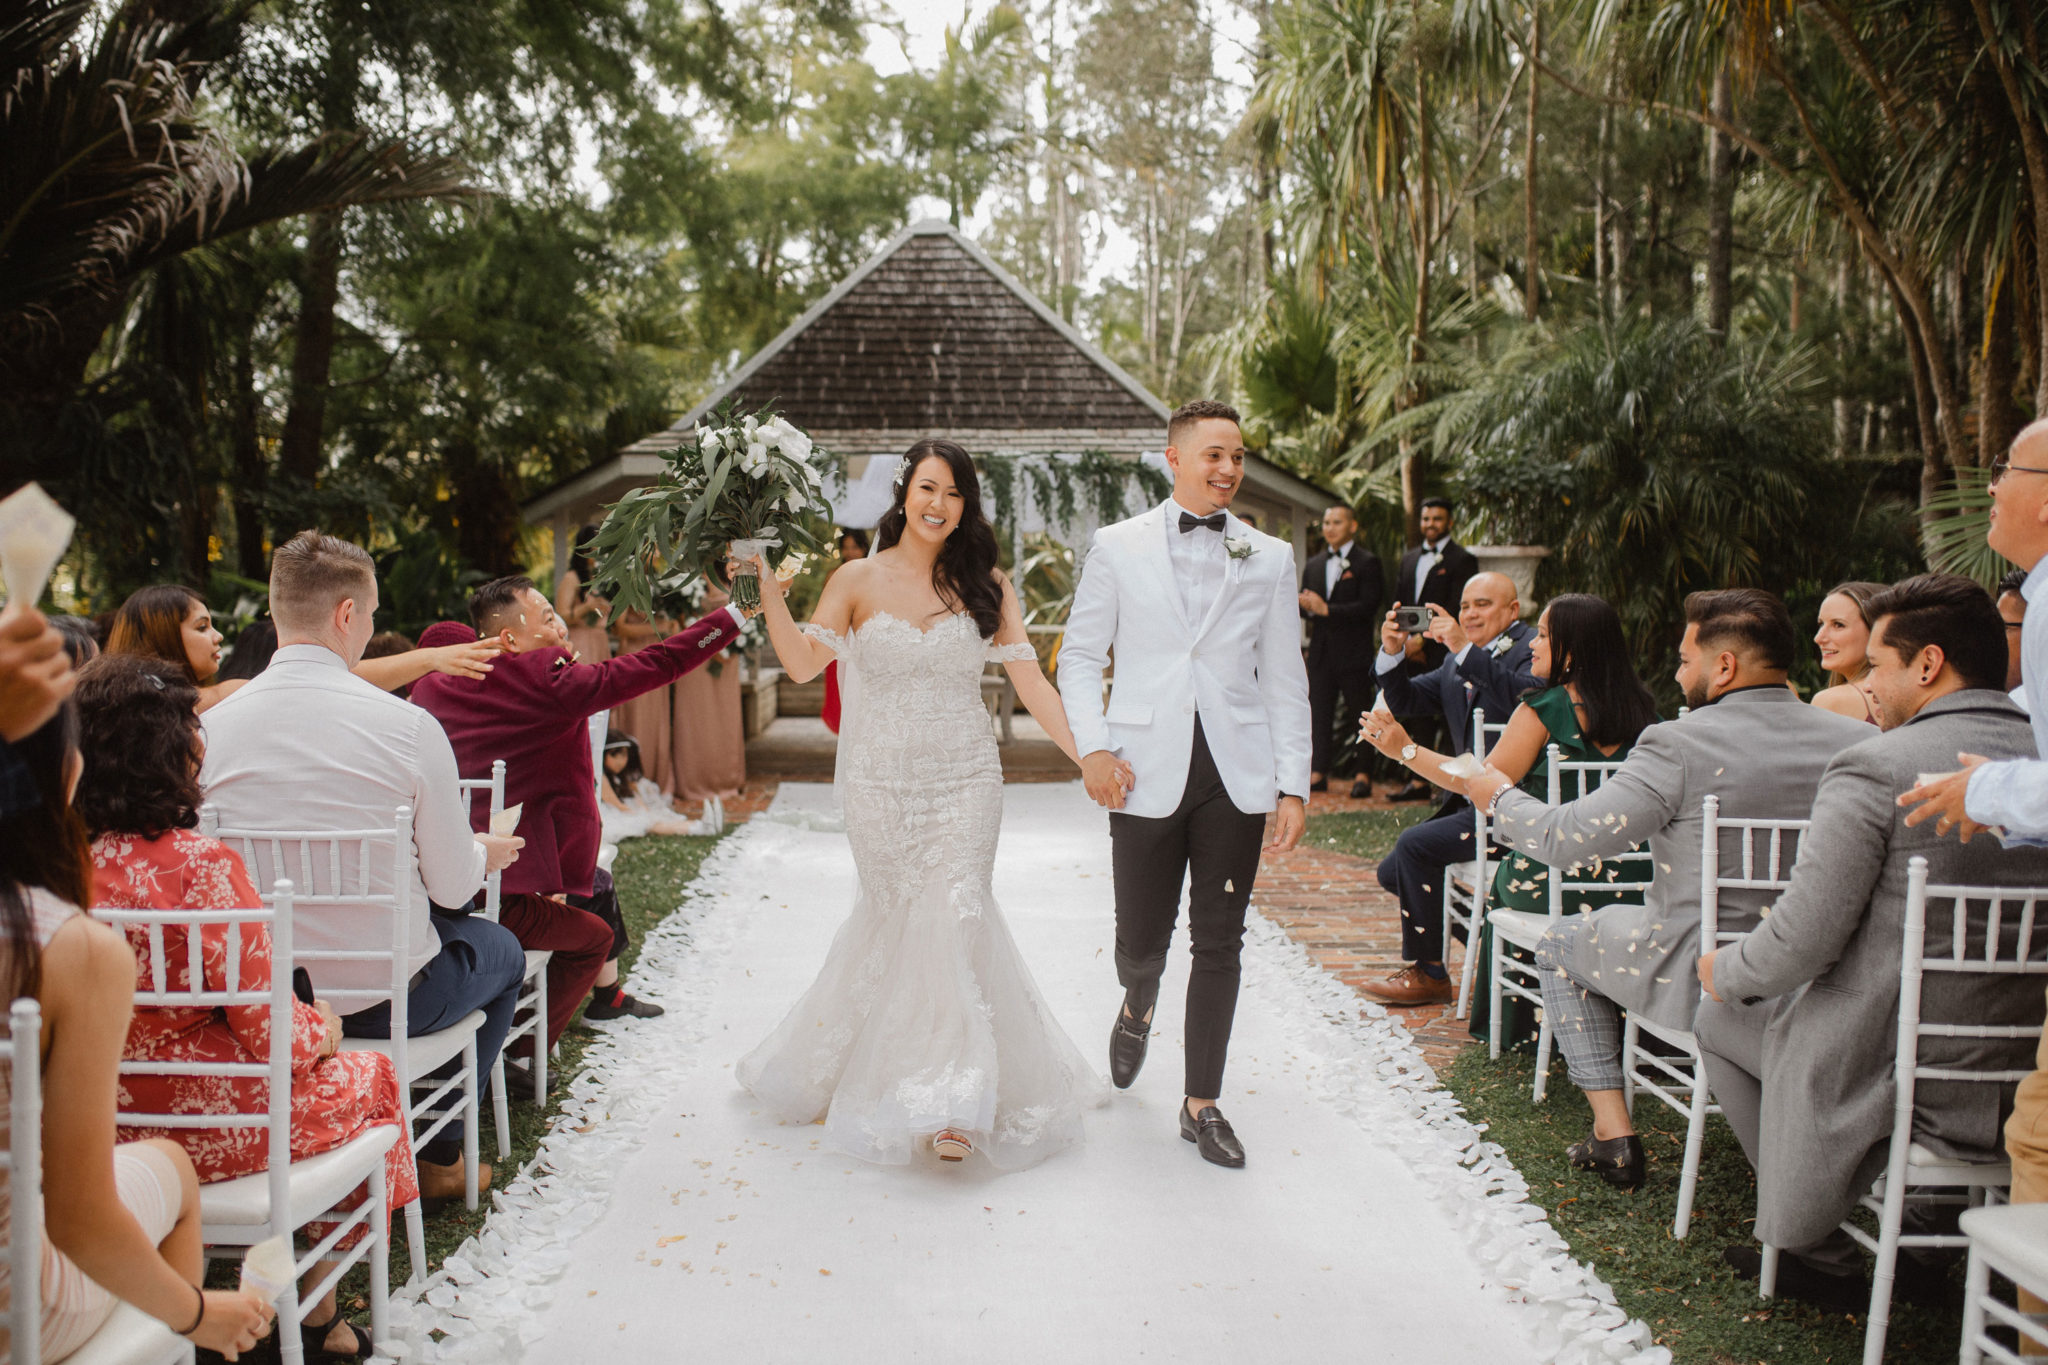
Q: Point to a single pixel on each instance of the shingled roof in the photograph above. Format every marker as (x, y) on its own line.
(931, 334)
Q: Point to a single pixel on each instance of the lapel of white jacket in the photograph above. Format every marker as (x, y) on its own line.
(1232, 571)
(1152, 535)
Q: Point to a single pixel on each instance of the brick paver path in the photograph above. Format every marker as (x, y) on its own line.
(1331, 903)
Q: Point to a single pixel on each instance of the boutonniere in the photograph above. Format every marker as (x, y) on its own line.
(1502, 643)
(1239, 548)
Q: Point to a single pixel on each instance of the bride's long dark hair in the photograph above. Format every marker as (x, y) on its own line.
(964, 574)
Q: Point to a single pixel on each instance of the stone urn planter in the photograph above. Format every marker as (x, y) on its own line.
(1518, 562)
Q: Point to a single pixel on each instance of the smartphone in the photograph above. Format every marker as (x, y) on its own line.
(1414, 620)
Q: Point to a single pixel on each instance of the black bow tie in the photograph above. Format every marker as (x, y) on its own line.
(1189, 521)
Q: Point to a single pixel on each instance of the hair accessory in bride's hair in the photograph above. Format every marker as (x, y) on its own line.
(902, 472)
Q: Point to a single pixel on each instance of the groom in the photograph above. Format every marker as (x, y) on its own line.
(1211, 712)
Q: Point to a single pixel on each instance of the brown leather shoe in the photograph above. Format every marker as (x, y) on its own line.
(440, 1184)
(1412, 986)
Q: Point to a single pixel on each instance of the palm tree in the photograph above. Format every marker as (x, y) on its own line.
(108, 169)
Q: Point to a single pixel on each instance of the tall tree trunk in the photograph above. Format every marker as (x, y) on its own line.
(300, 447)
(1998, 420)
(1721, 208)
(1532, 285)
(1843, 416)
(245, 454)
(1603, 142)
(2033, 146)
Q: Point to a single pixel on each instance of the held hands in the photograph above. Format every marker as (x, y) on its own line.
(1107, 778)
(500, 850)
(232, 1322)
(35, 672)
(471, 659)
(1288, 823)
(1943, 796)
(1313, 604)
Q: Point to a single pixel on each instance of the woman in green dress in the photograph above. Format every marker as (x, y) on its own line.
(1592, 708)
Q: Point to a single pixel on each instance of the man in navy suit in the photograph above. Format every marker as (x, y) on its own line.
(1486, 666)
(1340, 599)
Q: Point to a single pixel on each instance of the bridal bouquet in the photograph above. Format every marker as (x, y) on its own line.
(740, 486)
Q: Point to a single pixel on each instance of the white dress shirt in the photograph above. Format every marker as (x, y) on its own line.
(1199, 562)
(1431, 556)
(1334, 567)
(2013, 794)
(307, 745)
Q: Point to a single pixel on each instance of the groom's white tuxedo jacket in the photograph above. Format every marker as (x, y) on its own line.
(1240, 667)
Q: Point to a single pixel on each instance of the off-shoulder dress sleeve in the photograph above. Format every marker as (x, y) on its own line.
(1011, 654)
(825, 636)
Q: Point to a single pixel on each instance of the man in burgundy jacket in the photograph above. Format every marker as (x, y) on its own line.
(533, 711)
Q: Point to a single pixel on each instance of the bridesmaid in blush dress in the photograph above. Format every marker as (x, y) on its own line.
(646, 717)
(581, 610)
(710, 751)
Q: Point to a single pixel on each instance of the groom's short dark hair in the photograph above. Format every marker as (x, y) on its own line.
(1201, 410)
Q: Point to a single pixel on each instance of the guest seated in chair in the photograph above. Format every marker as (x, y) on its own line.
(120, 1221)
(1750, 742)
(1486, 666)
(308, 745)
(139, 798)
(1594, 708)
(1801, 1035)
(533, 712)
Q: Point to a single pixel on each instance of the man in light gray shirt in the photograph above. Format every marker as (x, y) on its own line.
(308, 745)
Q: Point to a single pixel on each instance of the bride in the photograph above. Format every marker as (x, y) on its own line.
(924, 1026)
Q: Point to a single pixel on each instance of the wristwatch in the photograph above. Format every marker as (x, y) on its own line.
(1408, 753)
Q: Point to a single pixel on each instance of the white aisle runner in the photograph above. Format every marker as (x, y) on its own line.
(1371, 1223)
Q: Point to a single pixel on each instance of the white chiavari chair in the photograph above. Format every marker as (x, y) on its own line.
(533, 989)
(288, 1194)
(1468, 883)
(1991, 932)
(333, 873)
(1512, 977)
(130, 1336)
(1762, 860)
(2011, 1240)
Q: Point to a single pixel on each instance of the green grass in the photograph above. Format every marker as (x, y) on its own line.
(1693, 1303)
(1364, 833)
(651, 874)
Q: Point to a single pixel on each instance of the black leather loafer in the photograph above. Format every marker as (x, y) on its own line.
(1211, 1132)
(1618, 1161)
(1127, 1039)
(1798, 1280)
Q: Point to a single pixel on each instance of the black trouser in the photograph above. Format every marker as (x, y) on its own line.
(1215, 846)
(1337, 697)
(603, 901)
(1414, 874)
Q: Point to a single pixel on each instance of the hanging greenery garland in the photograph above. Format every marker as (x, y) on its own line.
(1057, 486)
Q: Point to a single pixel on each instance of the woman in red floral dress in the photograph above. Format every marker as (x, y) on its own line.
(139, 795)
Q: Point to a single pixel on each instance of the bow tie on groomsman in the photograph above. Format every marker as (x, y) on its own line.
(1189, 521)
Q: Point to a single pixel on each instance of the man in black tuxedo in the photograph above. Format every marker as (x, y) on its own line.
(1486, 666)
(1433, 574)
(1340, 599)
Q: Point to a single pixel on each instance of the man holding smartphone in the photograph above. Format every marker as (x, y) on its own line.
(1485, 667)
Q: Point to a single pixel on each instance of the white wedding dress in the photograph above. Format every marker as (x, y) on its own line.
(924, 1016)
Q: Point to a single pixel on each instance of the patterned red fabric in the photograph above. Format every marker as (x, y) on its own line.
(333, 1101)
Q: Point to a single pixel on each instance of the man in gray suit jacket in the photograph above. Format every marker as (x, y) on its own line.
(1750, 742)
(1801, 1036)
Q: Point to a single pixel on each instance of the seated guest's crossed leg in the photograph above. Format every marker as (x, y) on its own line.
(1586, 1026)
(480, 967)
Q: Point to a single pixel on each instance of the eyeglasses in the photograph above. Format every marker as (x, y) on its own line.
(1999, 469)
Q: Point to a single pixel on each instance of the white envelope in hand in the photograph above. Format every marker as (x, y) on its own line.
(506, 821)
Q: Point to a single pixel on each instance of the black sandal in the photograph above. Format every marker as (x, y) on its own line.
(314, 1340)
(1618, 1161)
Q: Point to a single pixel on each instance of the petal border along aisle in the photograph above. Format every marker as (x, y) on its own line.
(1369, 1068)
